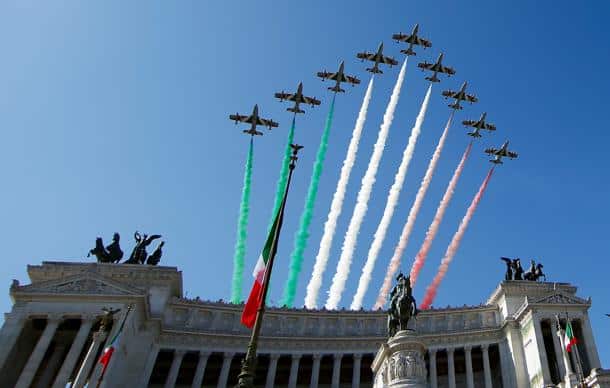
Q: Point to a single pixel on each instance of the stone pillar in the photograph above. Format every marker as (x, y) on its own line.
(75, 350)
(294, 371)
(517, 354)
(469, 376)
(559, 355)
(29, 371)
(544, 361)
(336, 370)
(200, 370)
(486, 368)
(270, 382)
(450, 368)
(356, 371)
(506, 365)
(590, 347)
(150, 364)
(315, 371)
(13, 324)
(432, 357)
(83, 372)
(170, 381)
(54, 363)
(224, 372)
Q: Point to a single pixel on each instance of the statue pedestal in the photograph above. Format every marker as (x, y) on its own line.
(400, 363)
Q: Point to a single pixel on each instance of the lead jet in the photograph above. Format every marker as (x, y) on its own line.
(459, 96)
(378, 58)
(255, 120)
(436, 68)
(297, 98)
(499, 153)
(478, 125)
(339, 76)
(412, 39)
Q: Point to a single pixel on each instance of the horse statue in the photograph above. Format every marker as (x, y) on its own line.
(535, 272)
(110, 254)
(402, 305)
(139, 254)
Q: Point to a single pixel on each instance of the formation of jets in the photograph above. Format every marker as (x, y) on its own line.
(498, 153)
(254, 119)
(412, 39)
(378, 58)
(339, 77)
(298, 98)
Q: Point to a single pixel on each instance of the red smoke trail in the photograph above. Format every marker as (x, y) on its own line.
(454, 245)
(420, 258)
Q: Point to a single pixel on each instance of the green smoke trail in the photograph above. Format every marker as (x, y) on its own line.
(281, 183)
(242, 229)
(296, 258)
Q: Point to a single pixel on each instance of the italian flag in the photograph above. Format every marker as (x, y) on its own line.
(109, 350)
(569, 338)
(248, 316)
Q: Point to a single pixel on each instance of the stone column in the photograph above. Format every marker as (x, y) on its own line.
(29, 371)
(270, 382)
(469, 376)
(150, 364)
(506, 365)
(590, 347)
(224, 372)
(13, 324)
(558, 355)
(544, 361)
(294, 371)
(315, 371)
(451, 368)
(486, 368)
(77, 346)
(83, 372)
(200, 370)
(170, 381)
(336, 370)
(53, 364)
(432, 357)
(356, 371)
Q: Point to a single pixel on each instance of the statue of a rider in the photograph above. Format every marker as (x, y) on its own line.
(402, 305)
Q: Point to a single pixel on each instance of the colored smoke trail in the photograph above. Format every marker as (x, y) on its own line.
(296, 259)
(281, 182)
(351, 236)
(454, 245)
(242, 229)
(390, 206)
(408, 227)
(313, 288)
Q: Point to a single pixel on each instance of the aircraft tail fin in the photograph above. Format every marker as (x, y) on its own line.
(434, 78)
(374, 70)
(408, 51)
(455, 105)
(496, 161)
(474, 134)
(295, 110)
(336, 89)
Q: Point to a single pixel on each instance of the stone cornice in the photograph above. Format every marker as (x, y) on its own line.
(517, 288)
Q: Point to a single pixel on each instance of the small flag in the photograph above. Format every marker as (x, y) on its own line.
(569, 338)
(248, 316)
(114, 343)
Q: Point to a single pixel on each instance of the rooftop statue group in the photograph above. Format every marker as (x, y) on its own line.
(113, 253)
(402, 305)
(514, 271)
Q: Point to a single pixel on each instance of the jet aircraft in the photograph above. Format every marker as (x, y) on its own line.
(378, 58)
(412, 39)
(339, 76)
(459, 96)
(436, 68)
(255, 120)
(478, 125)
(297, 98)
(295, 150)
(499, 153)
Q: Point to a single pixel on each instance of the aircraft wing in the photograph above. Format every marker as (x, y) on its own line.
(366, 55)
(469, 123)
(328, 75)
(241, 118)
(351, 80)
(493, 151)
(423, 42)
(388, 60)
(450, 93)
(490, 127)
(446, 70)
(267, 123)
(310, 100)
(425, 66)
(511, 154)
(285, 96)
(471, 98)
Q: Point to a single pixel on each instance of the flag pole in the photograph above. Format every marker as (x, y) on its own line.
(579, 370)
(129, 307)
(248, 365)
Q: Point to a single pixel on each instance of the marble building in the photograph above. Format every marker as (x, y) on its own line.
(172, 341)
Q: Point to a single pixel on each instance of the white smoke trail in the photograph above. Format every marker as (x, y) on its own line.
(390, 206)
(313, 288)
(408, 228)
(351, 236)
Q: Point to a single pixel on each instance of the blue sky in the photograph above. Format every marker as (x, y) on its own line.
(114, 118)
